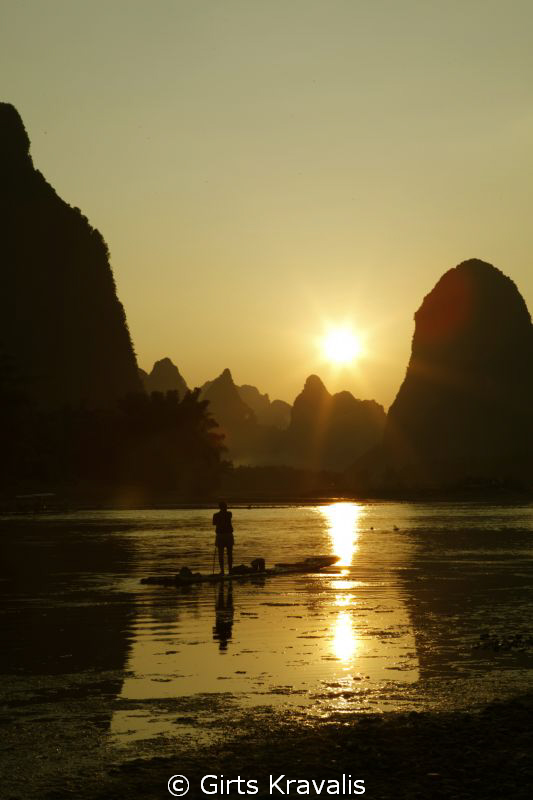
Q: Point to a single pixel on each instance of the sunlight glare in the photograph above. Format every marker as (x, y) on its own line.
(344, 638)
(342, 520)
(344, 600)
(341, 346)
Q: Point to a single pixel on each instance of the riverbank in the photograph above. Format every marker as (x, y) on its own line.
(452, 755)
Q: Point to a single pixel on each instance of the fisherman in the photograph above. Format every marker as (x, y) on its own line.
(224, 535)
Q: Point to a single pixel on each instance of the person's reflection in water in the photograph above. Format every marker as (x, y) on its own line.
(223, 615)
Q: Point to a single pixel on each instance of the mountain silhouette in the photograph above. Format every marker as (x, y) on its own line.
(464, 412)
(325, 432)
(276, 413)
(62, 327)
(164, 377)
(329, 431)
(279, 414)
(259, 403)
(235, 420)
(225, 402)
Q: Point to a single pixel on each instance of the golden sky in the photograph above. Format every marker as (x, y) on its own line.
(263, 168)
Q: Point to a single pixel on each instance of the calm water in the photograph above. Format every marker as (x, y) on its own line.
(99, 659)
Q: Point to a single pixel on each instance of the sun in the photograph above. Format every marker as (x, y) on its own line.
(342, 346)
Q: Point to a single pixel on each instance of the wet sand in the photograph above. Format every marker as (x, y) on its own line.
(397, 755)
(454, 755)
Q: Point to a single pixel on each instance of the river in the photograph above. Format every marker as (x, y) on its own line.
(429, 608)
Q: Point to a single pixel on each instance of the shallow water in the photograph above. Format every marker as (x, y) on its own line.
(96, 657)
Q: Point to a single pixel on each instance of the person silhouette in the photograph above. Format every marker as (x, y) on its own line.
(224, 535)
(222, 628)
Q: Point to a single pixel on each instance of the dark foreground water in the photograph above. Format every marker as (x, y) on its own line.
(430, 609)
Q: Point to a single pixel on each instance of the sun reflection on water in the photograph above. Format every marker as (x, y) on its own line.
(343, 527)
(344, 638)
(344, 600)
(343, 521)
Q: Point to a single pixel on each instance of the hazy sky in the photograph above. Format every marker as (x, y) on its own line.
(260, 168)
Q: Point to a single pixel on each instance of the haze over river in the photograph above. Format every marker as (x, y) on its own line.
(430, 608)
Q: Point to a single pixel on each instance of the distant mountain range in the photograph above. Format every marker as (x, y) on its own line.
(320, 431)
(330, 431)
(463, 415)
(275, 412)
(164, 377)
